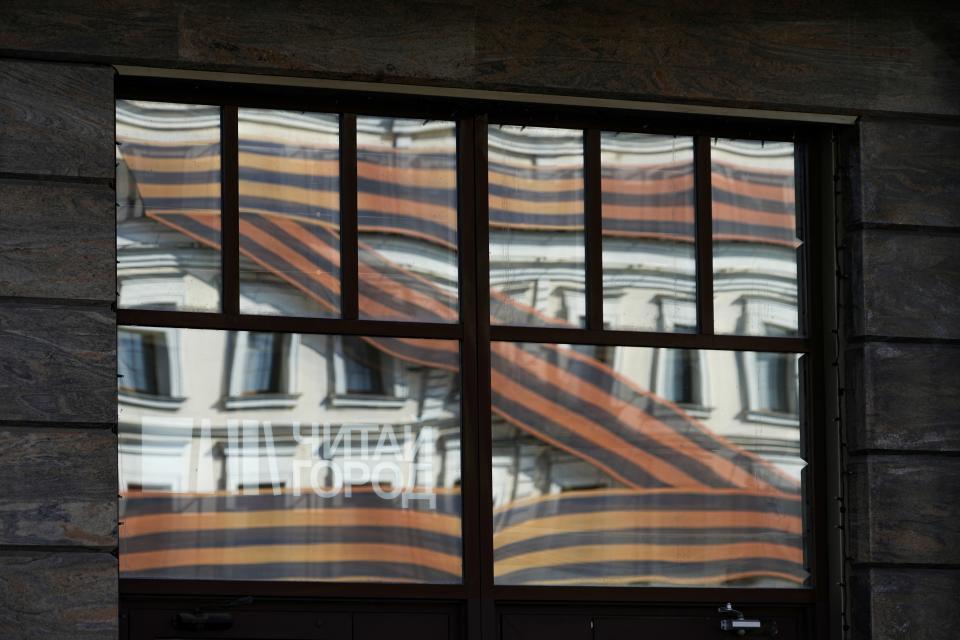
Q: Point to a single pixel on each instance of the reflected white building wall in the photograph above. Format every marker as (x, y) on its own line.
(205, 437)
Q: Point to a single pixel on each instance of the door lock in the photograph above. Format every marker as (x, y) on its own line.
(735, 622)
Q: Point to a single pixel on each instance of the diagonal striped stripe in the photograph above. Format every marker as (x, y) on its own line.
(696, 508)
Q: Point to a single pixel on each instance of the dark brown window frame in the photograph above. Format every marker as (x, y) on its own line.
(478, 593)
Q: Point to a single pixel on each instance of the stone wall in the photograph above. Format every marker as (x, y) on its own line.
(902, 382)
(895, 64)
(58, 464)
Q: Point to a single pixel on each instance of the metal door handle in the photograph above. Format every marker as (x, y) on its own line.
(736, 622)
(739, 626)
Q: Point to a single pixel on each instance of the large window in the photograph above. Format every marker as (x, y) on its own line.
(462, 345)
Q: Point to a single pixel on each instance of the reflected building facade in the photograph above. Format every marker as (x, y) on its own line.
(248, 455)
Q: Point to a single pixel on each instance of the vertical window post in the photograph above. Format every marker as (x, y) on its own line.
(349, 297)
(704, 233)
(230, 215)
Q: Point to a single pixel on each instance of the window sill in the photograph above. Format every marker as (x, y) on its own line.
(169, 403)
(696, 410)
(778, 419)
(369, 402)
(262, 401)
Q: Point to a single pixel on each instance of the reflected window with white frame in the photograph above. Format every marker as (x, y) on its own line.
(263, 371)
(777, 391)
(148, 369)
(775, 396)
(143, 363)
(681, 374)
(681, 378)
(363, 368)
(263, 368)
(365, 376)
(777, 379)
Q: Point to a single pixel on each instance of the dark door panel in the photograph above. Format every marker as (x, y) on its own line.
(696, 626)
(419, 626)
(638, 628)
(581, 621)
(262, 620)
(539, 626)
(184, 624)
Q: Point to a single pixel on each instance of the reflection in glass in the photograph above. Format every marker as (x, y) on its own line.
(649, 270)
(142, 363)
(263, 366)
(407, 217)
(599, 479)
(755, 238)
(364, 367)
(289, 457)
(682, 377)
(168, 206)
(777, 373)
(535, 180)
(289, 212)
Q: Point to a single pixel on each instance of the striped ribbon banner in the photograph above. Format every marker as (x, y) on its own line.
(693, 507)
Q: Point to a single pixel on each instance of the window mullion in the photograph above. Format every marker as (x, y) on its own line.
(481, 604)
(704, 234)
(349, 295)
(802, 197)
(230, 215)
(470, 463)
(593, 229)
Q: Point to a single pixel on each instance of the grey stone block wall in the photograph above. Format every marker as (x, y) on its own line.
(58, 464)
(895, 63)
(902, 379)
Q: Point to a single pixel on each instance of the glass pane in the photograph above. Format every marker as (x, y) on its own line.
(536, 226)
(756, 245)
(289, 212)
(258, 456)
(142, 363)
(644, 466)
(407, 217)
(649, 266)
(168, 206)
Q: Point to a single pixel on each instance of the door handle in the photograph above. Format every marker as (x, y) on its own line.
(203, 621)
(735, 622)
